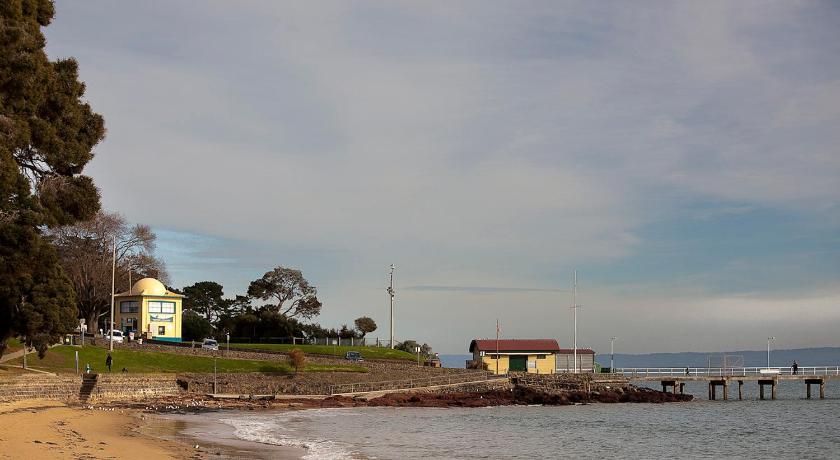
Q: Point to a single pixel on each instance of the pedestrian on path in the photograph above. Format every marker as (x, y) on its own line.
(795, 367)
(108, 362)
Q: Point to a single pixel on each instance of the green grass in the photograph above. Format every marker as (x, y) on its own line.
(367, 352)
(13, 345)
(61, 359)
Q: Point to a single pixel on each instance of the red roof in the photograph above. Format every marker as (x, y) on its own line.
(510, 345)
(581, 351)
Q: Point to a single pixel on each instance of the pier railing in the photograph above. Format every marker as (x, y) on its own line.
(449, 379)
(724, 371)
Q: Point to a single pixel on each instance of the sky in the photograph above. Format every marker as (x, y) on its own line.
(683, 157)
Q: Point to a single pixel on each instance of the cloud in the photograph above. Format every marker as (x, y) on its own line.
(474, 145)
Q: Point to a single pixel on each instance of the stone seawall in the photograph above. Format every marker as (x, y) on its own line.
(124, 387)
(109, 387)
(569, 382)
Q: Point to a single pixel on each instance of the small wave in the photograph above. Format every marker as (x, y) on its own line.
(266, 430)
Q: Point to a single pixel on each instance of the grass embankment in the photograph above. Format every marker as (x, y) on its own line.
(13, 345)
(367, 352)
(62, 359)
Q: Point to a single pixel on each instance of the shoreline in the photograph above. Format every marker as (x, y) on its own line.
(190, 426)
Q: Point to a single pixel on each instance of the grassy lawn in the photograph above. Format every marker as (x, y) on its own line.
(13, 345)
(367, 352)
(61, 359)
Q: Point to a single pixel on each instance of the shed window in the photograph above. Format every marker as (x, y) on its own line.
(162, 330)
(540, 356)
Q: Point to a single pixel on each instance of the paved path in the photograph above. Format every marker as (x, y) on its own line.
(11, 356)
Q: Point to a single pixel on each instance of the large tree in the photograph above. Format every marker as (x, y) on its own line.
(47, 134)
(207, 299)
(292, 295)
(365, 325)
(86, 250)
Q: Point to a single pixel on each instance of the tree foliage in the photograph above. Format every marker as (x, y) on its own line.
(194, 326)
(292, 295)
(207, 299)
(365, 325)
(86, 250)
(47, 135)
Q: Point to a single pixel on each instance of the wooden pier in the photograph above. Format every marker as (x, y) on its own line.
(674, 379)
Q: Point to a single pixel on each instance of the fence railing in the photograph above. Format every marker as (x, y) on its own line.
(448, 379)
(349, 342)
(725, 371)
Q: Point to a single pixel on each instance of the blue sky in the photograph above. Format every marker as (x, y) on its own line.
(682, 156)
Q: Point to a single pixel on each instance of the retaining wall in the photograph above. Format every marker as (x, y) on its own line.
(109, 387)
(565, 382)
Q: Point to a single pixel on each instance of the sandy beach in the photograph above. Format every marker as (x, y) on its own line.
(50, 429)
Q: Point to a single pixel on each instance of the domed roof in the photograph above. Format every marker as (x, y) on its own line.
(148, 286)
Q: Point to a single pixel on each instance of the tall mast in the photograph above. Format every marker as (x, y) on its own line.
(391, 295)
(574, 308)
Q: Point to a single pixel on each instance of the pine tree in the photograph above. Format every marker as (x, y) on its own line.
(47, 134)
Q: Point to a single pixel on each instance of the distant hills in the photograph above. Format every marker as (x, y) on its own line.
(824, 356)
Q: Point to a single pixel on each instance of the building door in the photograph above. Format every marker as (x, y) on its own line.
(518, 363)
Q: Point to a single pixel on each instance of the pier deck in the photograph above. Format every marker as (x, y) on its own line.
(675, 377)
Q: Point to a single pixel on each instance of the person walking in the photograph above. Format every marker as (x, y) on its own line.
(109, 361)
(795, 367)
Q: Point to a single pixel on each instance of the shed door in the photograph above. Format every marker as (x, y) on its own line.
(518, 363)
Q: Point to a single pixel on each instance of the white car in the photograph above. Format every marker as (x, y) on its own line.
(118, 336)
(210, 344)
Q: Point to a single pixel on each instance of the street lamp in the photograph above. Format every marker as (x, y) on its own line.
(612, 354)
(768, 349)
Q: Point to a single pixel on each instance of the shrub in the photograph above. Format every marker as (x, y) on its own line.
(297, 359)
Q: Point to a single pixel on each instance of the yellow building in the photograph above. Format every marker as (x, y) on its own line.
(150, 311)
(535, 356)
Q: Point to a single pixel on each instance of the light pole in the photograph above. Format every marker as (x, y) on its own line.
(391, 295)
(612, 354)
(113, 280)
(768, 349)
(574, 308)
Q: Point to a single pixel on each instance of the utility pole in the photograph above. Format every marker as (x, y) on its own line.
(391, 295)
(113, 281)
(497, 348)
(768, 349)
(574, 308)
(612, 354)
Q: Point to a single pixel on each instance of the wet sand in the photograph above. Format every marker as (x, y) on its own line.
(50, 429)
(216, 438)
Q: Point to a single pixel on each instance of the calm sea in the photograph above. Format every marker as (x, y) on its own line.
(789, 427)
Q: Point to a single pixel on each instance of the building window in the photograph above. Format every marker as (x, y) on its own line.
(540, 356)
(161, 307)
(161, 330)
(129, 306)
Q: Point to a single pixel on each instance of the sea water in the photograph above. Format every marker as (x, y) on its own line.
(789, 427)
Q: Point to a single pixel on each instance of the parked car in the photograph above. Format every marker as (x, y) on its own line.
(210, 344)
(353, 356)
(118, 336)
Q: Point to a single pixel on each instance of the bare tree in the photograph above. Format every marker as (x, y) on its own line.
(86, 255)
